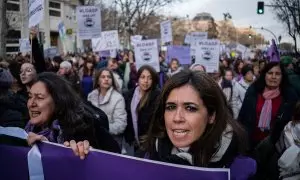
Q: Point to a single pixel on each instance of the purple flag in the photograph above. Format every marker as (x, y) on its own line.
(273, 53)
(61, 163)
(182, 53)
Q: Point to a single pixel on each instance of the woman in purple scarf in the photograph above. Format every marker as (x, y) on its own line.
(57, 115)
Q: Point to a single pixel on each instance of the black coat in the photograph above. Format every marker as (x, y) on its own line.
(13, 111)
(247, 115)
(144, 115)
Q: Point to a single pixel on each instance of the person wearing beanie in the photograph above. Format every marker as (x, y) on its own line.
(245, 82)
(240, 88)
(287, 61)
(66, 71)
(10, 114)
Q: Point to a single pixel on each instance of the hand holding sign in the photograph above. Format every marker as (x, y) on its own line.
(33, 32)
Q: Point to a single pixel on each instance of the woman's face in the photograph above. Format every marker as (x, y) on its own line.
(256, 70)
(40, 104)
(261, 65)
(241, 65)
(228, 75)
(249, 76)
(185, 116)
(273, 77)
(105, 80)
(174, 65)
(145, 80)
(89, 65)
(112, 64)
(27, 73)
(225, 63)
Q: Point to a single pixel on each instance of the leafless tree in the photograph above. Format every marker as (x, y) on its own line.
(288, 13)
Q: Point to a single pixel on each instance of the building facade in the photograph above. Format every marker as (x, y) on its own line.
(56, 11)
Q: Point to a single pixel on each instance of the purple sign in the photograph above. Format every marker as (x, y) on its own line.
(105, 53)
(60, 163)
(182, 53)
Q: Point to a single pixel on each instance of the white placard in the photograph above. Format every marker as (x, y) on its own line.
(109, 40)
(88, 22)
(208, 54)
(241, 48)
(166, 31)
(35, 12)
(193, 37)
(135, 39)
(24, 45)
(146, 53)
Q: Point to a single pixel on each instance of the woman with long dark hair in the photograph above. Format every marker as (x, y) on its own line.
(239, 64)
(87, 76)
(268, 104)
(192, 125)
(140, 103)
(57, 114)
(106, 97)
(267, 108)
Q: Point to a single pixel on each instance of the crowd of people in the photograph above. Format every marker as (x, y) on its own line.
(244, 117)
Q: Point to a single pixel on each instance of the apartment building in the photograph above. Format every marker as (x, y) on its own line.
(56, 11)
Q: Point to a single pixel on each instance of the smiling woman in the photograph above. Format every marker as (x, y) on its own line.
(57, 115)
(192, 125)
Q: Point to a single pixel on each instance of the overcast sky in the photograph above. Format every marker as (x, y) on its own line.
(243, 14)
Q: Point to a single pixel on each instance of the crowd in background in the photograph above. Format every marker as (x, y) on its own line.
(252, 101)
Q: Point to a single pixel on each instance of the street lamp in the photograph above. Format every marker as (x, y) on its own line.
(262, 28)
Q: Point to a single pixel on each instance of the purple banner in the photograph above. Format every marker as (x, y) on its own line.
(61, 163)
(13, 162)
(182, 53)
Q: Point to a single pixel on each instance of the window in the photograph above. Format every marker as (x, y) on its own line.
(54, 38)
(13, 7)
(54, 9)
(13, 34)
(54, 5)
(54, 13)
(12, 49)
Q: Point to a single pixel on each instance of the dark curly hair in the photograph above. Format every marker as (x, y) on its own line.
(69, 109)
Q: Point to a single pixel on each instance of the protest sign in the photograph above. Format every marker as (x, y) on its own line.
(36, 12)
(182, 53)
(146, 53)
(88, 22)
(24, 45)
(135, 39)
(194, 37)
(109, 40)
(166, 31)
(51, 52)
(208, 54)
(46, 160)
